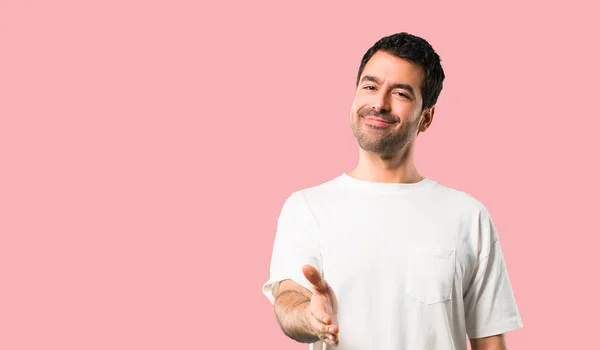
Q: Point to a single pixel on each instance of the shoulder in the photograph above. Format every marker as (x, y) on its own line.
(303, 198)
(476, 226)
(469, 213)
(322, 190)
(458, 199)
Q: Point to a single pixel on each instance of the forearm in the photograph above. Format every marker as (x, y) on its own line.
(488, 347)
(291, 309)
(489, 343)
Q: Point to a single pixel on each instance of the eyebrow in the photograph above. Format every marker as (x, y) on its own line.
(394, 86)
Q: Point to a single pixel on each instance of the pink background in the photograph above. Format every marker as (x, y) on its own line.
(146, 149)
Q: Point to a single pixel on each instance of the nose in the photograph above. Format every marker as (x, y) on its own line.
(381, 102)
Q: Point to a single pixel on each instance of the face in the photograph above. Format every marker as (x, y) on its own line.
(386, 112)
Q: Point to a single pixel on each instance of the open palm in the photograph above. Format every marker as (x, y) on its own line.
(323, 307)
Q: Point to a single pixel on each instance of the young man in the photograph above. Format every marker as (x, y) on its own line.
(381, 257)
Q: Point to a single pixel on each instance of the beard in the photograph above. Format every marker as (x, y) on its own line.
(385, 140)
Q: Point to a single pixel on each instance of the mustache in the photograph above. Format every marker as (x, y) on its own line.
(388, 117)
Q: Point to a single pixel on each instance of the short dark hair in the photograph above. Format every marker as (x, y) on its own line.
(416, 50)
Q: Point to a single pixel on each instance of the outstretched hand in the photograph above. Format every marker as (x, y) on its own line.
(323, 307)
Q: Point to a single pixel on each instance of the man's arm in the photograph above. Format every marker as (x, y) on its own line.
(308, 316)
(495, 342)
(291, 309)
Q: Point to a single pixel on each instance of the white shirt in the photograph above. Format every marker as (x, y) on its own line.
(414, 266)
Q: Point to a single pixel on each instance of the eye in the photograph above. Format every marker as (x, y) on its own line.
(401, 94)
(369, 87)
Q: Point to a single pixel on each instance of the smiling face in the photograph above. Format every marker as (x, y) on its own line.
(386, 112)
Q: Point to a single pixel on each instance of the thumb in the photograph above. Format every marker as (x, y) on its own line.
(314, 277)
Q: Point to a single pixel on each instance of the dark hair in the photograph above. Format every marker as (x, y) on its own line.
(416, 50)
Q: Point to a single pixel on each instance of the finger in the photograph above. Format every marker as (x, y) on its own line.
(331, 341)
(314, 277)
(322, 317)
(319, 327)
(333, 329)
(334, 339)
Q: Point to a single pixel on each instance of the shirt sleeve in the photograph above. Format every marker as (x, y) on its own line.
(490, 305)
(296, 244)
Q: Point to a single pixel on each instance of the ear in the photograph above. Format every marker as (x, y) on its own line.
(427, 119)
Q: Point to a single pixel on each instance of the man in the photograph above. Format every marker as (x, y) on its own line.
(381, 257)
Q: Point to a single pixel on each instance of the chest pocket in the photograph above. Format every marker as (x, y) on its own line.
(430, 273)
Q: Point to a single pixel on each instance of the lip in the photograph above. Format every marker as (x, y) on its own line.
(377, 122)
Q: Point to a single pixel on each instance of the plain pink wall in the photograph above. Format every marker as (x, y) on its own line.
(146, 149)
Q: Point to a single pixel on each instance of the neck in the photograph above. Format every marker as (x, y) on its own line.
(394, 168)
